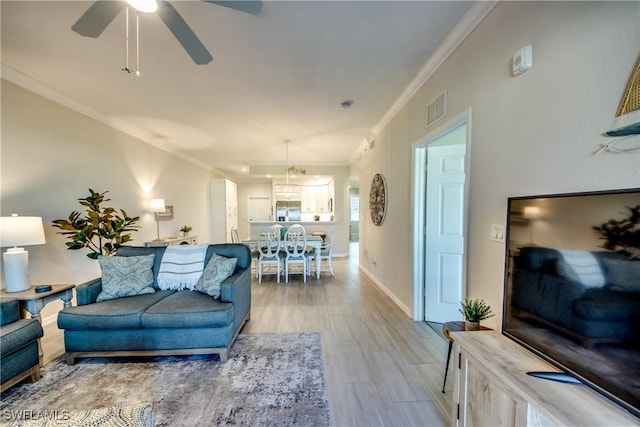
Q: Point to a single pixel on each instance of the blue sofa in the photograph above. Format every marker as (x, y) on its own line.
(18, 345)
(163, 322)
(545, 288)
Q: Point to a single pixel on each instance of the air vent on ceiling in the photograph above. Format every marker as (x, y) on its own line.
(437, 108)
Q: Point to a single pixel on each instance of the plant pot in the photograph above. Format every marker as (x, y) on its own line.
(185, 234)
(471, 326)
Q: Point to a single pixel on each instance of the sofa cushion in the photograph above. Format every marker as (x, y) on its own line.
(217, 270)
(126, 276)
(608, 306)
(188, 309)
(120, 313)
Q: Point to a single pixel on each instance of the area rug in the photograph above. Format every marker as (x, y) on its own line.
(269, 379)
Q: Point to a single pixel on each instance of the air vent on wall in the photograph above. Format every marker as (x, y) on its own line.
(437, 108)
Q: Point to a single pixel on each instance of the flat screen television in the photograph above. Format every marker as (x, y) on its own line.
(572, 287)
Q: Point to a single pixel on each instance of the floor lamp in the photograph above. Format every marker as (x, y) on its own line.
(19, 231)
(157, 206)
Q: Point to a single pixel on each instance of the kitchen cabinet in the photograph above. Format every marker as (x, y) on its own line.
(322, 199)
(308, 196)
(315, 198)
(224, 209)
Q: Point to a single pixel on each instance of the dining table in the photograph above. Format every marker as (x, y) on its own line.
(314, 241)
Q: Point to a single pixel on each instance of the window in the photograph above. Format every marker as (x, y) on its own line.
(355, 208)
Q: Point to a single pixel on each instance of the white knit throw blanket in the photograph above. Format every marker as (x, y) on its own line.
(181, 267)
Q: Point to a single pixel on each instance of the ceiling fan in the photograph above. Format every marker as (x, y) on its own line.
(102, 12)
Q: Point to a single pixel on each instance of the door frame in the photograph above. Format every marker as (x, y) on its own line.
(419, 199)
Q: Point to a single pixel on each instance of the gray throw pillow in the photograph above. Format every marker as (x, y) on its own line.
(125, 276)
(217, 270)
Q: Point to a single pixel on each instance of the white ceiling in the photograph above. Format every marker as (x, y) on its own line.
(278, 76)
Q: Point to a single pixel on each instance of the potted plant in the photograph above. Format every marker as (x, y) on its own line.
(185, 230)
(101, 230)
(474, 311)
(622, 235)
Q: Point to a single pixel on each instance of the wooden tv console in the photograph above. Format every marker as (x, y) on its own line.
(491, 388)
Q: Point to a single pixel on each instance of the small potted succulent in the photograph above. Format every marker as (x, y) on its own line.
(185, 230)
(474, 311)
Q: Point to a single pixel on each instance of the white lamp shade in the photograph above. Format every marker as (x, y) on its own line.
(146, 6)
(21, 231)
(157, 205)
(532, 212)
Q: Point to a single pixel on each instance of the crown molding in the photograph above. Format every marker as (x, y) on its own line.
(463, 28)
(26, 82)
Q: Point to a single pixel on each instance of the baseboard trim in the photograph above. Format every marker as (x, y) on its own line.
(387, 292)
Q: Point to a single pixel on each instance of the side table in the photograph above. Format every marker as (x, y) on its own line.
(447, 328)
(32, 302)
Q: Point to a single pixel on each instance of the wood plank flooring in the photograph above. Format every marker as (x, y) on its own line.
(382, 368)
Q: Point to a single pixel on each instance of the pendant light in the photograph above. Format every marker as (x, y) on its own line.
(287, 190)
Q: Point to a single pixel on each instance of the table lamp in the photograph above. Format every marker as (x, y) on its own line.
(157, 206)
(19, 231)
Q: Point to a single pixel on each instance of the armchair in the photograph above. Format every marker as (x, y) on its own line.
(18, 345)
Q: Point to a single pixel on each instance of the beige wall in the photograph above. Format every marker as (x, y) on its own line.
(532, 134)
(51, 155)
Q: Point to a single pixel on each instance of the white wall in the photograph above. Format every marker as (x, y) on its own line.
(51, 155)
(532, 134)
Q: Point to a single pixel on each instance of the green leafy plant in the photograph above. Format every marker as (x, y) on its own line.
(186, 229)
(622, 235)
(475, 310)
(101, 230)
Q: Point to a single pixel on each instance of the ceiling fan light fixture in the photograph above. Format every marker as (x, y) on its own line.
(146, 6)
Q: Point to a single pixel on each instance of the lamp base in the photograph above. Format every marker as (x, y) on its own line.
(16, 270)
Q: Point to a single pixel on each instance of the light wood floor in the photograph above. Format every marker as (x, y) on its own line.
(382, 368)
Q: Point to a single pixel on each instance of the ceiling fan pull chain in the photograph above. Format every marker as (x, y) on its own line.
(138, 44)
(126, 33)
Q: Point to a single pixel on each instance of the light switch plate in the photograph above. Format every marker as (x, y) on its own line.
(497, 233)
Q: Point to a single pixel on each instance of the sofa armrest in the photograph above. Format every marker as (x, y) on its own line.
(235, 286)
(9, 311)
(87, 292)
(237, 290)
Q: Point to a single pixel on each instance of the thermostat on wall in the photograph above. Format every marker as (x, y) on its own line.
(522, 60)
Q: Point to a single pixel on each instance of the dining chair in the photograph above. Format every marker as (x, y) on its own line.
(270, 253)
(295, 247)
(325, 253)
(235, 237)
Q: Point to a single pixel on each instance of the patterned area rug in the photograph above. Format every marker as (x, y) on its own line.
(269, 379)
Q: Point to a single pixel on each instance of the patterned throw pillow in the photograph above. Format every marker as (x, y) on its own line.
(125, 276)
(218, 268)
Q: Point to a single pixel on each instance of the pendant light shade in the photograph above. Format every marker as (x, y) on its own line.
(287, 190)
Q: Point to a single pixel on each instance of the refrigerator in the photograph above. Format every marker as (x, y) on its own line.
(288, 210)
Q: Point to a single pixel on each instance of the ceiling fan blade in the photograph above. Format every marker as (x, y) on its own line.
(97, 18)
(249, 6)
(187, 38)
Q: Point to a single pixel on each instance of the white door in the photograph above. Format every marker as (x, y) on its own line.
(444, 251)
(259, 209)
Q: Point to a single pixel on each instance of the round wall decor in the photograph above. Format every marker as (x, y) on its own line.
(378, 199)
